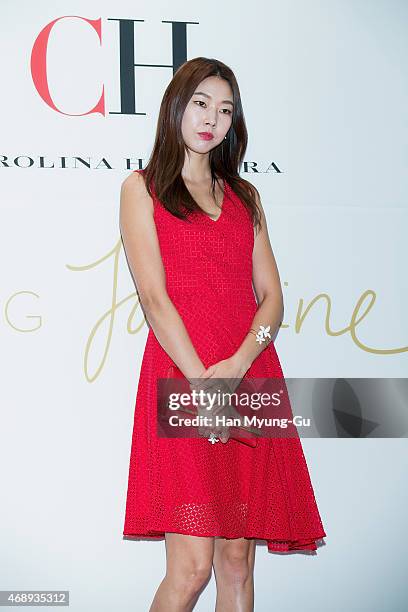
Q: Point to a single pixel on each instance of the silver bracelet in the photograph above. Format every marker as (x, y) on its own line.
(262, 333)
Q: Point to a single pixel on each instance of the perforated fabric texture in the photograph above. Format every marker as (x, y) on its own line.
(189, 485)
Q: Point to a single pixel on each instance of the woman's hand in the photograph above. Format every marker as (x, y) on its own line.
(231, 369)
(227, 368)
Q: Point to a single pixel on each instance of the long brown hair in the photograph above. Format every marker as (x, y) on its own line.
(167, 158)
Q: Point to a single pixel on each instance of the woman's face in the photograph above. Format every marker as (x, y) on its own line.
(208, 115)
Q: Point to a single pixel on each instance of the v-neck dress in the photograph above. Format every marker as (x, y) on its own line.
(188, 485)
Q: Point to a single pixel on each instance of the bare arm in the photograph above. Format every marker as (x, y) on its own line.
(268, 290)
(142, 249)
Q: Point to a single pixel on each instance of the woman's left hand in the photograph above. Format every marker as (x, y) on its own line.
(233, 370)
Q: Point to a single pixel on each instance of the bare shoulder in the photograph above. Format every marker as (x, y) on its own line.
(136, 205)
(255, 193)
(141, 244)
(133, 189)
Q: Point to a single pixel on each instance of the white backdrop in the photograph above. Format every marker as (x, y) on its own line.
(324, 90)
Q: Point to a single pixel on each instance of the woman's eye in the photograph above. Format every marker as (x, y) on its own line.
(229, 112)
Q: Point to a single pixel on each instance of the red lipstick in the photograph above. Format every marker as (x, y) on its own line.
(206, 135)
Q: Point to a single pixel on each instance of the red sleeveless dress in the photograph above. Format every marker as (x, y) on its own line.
(189, 485)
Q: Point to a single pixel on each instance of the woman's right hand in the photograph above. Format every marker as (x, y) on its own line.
(202, 383)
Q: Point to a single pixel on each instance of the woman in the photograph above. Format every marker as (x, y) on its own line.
(197, 243)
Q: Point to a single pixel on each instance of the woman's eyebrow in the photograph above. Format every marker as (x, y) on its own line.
(201, 93)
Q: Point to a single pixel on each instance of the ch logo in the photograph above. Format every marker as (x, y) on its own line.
(127, 64)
